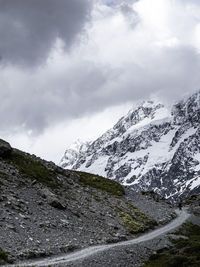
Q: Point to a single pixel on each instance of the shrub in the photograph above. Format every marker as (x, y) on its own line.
(131, 223)
(4, 257)
(135, 220)
(184, 253)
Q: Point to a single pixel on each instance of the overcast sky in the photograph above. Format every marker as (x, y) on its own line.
(70, 68)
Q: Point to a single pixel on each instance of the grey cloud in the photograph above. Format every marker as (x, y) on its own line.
(117, 2)
(76, 87)
(45, 99)
(88, 88)
(170, 73)
(29, 28)
(130, 14)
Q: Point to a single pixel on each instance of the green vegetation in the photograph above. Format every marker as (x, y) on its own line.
(184, 253)
(33, 169)
(135, 220)
(96, 197)
(4, 257)
(130, 222)
(193, 199)
(98, 182)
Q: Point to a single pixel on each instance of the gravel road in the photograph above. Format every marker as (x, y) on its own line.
(128, 253)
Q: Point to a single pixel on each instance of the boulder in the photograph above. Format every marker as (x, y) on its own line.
(51, 199)
(5, 149)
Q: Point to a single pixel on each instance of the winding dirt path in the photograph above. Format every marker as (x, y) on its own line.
(87, 252)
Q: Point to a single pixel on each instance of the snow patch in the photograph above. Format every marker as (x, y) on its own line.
(98, 167)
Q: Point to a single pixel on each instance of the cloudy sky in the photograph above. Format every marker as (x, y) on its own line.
(70, 68)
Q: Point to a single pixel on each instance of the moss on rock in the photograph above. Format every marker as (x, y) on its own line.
(135, 220)
(130, 222)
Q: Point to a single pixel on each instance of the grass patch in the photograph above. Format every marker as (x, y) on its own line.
(135, 220)
(33, 169)
(4, 257)
(193, 199)
(184, 253)
(98, 182)
(130, 222)
(172, 260)
(140, 216)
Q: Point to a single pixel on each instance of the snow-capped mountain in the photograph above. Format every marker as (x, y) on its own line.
(73, 153)
(150, 148)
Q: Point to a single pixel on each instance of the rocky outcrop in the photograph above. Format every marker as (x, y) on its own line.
(5, 149)
(150, 148)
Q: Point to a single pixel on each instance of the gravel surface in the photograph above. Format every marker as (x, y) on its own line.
(151, 204)
(129, 253)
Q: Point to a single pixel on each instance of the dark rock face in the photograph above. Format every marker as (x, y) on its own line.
(5, 149)
(150, 148)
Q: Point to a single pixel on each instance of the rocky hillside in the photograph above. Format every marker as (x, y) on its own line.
(46, 210)
(148, 149)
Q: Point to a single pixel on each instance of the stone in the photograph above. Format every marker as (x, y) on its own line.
(34, 182)
(69, 248)
(5, 149)
(11, 227)
(56, 204)
(51, 199)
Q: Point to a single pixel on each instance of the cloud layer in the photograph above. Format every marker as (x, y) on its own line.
(29, 29)
(130, 50)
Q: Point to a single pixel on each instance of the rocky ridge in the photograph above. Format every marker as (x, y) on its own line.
(148, 149)
(46, 210)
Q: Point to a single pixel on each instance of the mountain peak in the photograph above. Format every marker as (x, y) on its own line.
(144, 112)
(150, 148)
(187, 110)
(72, 153)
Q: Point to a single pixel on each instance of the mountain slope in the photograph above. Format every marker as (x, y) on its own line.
(46, 210)
(149, 149)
